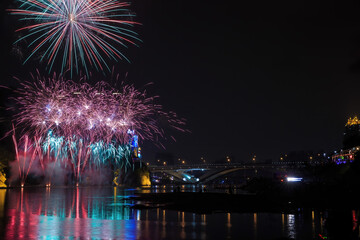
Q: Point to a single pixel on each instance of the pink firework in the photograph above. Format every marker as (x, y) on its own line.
(98, 111)
(79, 126)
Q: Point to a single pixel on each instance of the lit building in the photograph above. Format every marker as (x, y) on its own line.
(352, 133)
(351, 142)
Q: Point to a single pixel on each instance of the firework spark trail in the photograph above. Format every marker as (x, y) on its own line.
(24, 147)
(81, 126)
(85, 30)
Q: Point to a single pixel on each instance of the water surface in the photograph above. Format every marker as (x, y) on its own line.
(107, 213)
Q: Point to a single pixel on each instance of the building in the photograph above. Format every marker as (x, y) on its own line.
(351, 142)
(352, 133)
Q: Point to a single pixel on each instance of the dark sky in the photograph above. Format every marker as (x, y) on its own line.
(264, 77)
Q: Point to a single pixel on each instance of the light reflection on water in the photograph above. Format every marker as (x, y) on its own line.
(2, 202)
(106, 213)
(291, 226)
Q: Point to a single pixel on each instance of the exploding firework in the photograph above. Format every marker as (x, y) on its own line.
(81, 126)
(84, 32)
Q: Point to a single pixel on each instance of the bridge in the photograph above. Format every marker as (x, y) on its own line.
(209, 172)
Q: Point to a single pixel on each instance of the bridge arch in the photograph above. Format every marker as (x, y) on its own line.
(181, 175)
(217, 174)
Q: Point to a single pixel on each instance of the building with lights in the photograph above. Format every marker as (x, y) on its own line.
(351, 142)
(352, 133)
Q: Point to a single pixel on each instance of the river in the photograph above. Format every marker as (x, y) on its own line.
(107, 213)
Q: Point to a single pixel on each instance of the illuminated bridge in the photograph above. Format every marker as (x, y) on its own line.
(209, 172)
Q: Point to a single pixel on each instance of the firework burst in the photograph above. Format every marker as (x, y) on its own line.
(98, 111)
(77, 33)
(82, 126)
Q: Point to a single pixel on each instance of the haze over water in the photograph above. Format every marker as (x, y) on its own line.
(107, 213)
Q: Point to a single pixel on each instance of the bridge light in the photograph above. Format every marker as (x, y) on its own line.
(184, 179)
(183, 161)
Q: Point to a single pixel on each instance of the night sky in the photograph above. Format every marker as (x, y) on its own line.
(259, 77)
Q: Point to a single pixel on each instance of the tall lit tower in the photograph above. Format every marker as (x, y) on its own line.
(352, 133)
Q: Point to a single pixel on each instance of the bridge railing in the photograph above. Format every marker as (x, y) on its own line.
(226, 165)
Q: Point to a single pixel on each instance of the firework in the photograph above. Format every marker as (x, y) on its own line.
(81, 126)
(99, 111)
(83, 32)
(25, 154)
